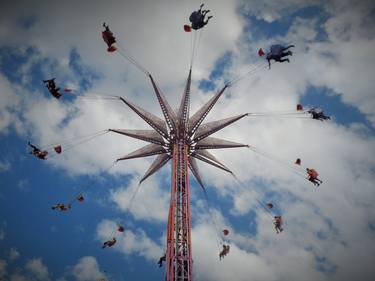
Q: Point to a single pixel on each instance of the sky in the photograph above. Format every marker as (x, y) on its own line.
(328, 230)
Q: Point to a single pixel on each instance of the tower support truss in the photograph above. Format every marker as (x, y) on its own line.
(179, 258)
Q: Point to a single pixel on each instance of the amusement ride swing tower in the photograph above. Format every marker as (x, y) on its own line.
(183, 139)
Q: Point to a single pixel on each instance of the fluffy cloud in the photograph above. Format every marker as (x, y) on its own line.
(3, 227)
(305, 250)
(344, 58)
(4, 166)
(18, 277)
(3, 266)
(237, 265)
(13, 254)
(148, 201)
(271, 11)
(87, 269)
(38, 269)
(34, 269)
(8, 104)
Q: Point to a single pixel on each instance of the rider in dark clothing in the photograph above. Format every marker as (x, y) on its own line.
(161, 260)
(224, 251)
(61, 207)
(277, 53)
(108, 38)
(318, 114)
(51, 86)
(109, 243)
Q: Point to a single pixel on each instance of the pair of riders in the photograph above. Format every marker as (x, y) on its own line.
(67, 207)
(277, 53)
(318, 114)
(41, 154)
(62, 207)
(198, 18)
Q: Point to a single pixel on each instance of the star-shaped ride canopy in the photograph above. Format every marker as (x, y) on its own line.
(178, 126)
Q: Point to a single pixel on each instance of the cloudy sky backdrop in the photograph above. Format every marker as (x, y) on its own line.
(329, 231)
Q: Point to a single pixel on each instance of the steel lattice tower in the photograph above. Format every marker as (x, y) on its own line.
(182, 139)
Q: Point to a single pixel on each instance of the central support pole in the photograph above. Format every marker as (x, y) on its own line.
(179, 258)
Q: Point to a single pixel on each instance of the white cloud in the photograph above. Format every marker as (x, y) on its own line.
(237, 265)
(36, 267)
(4, 166)
(87, 269)
(19, 277)
(3, 227)
(271, 11)
(3, 266)
(8, 103)
(23, 185)
(149, 201)
(13, 254)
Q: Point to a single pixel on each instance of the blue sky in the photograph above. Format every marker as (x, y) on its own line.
(326, 228)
